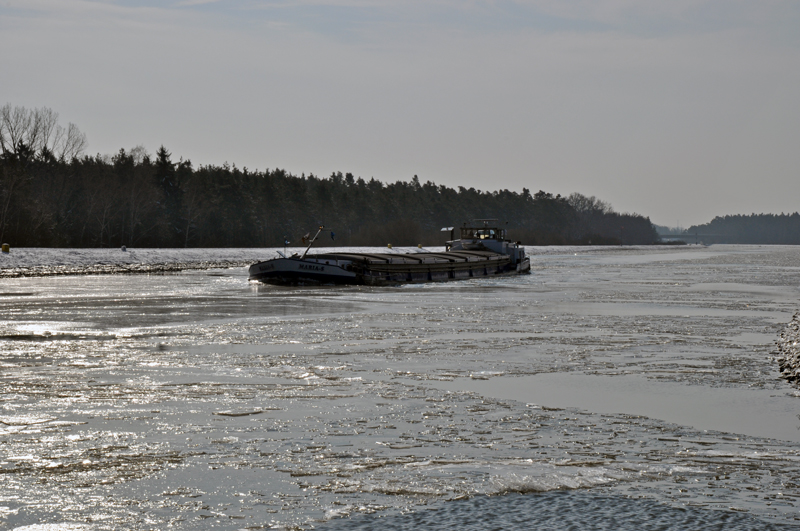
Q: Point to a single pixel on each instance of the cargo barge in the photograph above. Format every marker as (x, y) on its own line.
(480, 252)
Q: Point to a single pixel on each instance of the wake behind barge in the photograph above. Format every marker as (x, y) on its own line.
(480, 252)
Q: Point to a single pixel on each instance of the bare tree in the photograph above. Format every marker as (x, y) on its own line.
(25, 135)
(139, 154)
(590, 213)
(14, 124)
(588, 205)
(72, 144)
(43, 130)
(39, 130)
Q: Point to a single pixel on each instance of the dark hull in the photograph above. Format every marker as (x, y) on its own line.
(304, 279)
(385, 269)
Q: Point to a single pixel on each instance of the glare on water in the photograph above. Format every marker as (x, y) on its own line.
(641, 377)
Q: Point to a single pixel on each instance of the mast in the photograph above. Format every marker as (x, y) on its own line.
(311, 242)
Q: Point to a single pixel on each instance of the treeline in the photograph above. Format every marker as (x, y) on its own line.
(52, 197)
(782, 229)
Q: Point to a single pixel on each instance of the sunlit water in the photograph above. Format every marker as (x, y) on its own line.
(611, 389)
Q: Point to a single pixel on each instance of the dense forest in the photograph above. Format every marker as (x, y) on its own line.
(51, 194)
(753, 229)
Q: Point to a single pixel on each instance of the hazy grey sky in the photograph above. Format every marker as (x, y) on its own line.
(680, 110)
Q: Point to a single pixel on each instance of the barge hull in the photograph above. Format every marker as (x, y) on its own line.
(385, 269)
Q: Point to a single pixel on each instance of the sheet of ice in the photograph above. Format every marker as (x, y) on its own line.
(757, 412)
(52, 257)
(199, 399)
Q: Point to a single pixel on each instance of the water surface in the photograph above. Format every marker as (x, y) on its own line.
(622, 381)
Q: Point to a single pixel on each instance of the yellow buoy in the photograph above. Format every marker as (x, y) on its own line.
(389, 246)
(6, 248)
(419, 246)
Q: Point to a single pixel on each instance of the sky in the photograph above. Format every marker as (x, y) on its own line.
(678, 110)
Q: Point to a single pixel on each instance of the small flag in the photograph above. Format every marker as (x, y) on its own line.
(333, 236)
(285, 241)
(305, 238)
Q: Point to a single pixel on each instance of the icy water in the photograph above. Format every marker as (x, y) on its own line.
(611, 389)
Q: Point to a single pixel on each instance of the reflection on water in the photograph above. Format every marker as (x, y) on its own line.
(198, 399)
